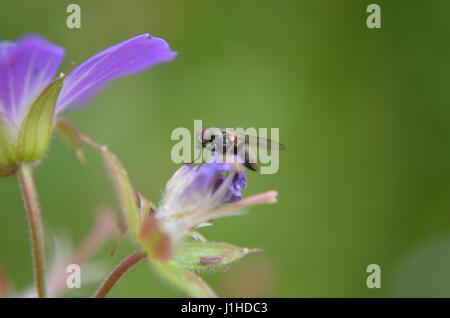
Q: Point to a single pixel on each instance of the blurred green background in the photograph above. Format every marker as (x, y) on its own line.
(365, 115)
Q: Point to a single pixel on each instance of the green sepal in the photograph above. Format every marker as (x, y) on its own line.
(184, 280)
(207, 256)
(125, 192)
(70, 135)
(7, 147)
(36, 130)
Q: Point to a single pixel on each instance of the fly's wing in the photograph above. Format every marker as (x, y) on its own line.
(254, 141)
(246, 153)
(250, 159)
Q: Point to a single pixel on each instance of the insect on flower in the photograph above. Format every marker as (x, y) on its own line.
(196, 195)
(228, 143)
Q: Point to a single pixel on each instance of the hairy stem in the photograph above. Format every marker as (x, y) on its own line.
(30, 198)
(117, 272)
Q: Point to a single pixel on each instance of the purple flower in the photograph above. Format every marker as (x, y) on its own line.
(193, 197)
(194, 191)
(203, 187)
(29, 65)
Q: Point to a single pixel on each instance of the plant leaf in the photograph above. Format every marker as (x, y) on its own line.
(183, 279)
(207, 256)
(36, 130)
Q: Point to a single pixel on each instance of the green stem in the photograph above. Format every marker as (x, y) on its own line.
(30, 198)
(117, 272)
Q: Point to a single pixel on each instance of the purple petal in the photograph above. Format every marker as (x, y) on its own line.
(233, 197)
(239, 182)
(26, 68)
(128, 57)
(208, 179)
(204, 179)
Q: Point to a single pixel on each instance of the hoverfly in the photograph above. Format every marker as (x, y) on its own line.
(226, 141)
